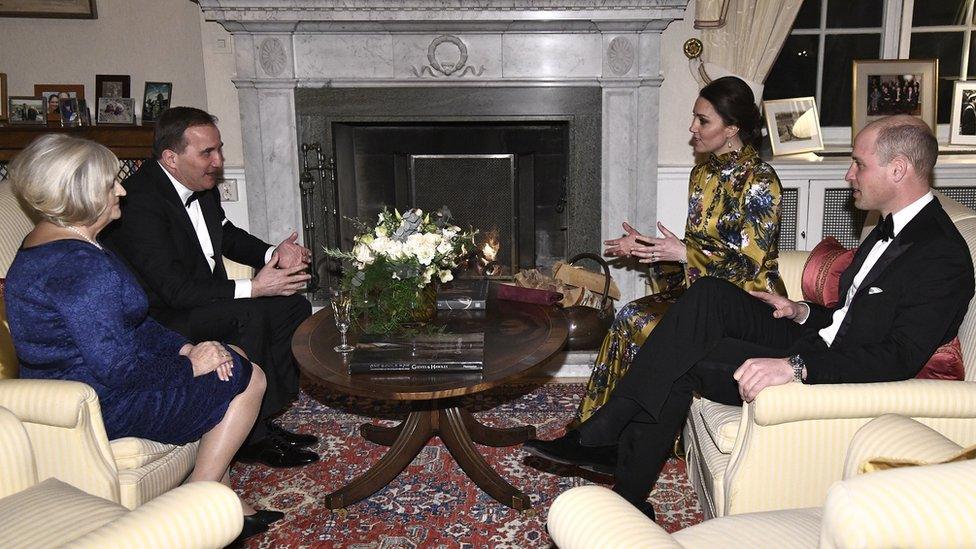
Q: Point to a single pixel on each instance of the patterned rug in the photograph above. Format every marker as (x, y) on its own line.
(432, 504)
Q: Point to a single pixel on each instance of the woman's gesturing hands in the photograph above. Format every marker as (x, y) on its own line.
(209, 356)
(648, 249)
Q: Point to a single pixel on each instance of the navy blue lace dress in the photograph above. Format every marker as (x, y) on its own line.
(76, 313)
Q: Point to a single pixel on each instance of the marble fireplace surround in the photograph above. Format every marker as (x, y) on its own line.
(283, 45)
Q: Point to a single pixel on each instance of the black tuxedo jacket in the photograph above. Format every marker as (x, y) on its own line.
(156, 238)
(913, 300)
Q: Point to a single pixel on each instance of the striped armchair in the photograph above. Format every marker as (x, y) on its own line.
(39, 512)
(930, 506)
(786, 448)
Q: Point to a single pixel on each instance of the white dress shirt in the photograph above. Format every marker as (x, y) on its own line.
(898, 220)
(242, 288)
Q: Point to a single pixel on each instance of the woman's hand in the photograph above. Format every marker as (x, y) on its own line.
(210, 356)
(623, 246)
(652, 250)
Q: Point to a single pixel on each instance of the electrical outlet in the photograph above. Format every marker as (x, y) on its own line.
(228, 190)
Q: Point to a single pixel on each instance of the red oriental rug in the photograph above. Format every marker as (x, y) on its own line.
(432, 503)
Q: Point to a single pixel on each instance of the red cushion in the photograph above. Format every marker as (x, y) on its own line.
(946, 363)
(821, 272)
(821, 284)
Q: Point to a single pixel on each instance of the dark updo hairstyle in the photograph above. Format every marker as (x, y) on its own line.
(734, 102)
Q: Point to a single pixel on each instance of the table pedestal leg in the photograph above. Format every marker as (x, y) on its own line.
(453, 431)
(416, 431)
(495, 436)
(378, 434)
(459, 430)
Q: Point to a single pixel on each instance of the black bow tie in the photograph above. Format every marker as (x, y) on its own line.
(197, 195)
(887, 231)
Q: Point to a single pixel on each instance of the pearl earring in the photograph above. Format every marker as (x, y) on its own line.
(728, 143)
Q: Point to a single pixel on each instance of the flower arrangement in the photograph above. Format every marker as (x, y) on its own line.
(395, 263)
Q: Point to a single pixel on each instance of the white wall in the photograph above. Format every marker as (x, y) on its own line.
(148, 40)
(678, 92)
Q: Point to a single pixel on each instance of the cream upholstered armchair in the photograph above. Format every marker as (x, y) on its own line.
(39, 512)
(929, 506)
(786, 448)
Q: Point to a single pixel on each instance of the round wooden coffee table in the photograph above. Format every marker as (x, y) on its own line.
(518, 337)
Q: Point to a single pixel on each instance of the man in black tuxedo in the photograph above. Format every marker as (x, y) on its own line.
(905, 293)
(174, 235)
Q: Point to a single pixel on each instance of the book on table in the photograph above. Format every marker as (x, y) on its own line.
(440, 352)
(463, 294)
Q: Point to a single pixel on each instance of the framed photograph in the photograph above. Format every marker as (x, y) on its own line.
(118, 111)
(70, 115)
(85, 112)
(73, 9)
(54, 93)
(112, 85)
(793, 124)
(3, 97)
(894, 86)
(962, 128)
(27, 110)
(155, 100)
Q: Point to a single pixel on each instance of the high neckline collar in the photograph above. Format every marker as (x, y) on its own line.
(730, 159)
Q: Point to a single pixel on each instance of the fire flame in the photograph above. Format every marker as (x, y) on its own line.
(491, 246)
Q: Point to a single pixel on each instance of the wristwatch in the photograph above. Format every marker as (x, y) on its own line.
(797, 363)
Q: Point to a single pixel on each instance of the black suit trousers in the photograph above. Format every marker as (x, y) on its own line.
(704, 337)
(263, 328)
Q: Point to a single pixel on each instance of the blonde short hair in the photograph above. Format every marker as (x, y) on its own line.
(65, 180)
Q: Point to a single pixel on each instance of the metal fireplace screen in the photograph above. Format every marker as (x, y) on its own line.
(480, 190)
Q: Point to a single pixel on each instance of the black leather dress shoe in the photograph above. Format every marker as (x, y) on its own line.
(300, 440)
(273, 453)
(646, 508)
(267, 516)
(568, 451)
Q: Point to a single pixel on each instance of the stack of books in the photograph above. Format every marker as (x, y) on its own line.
(440, 352)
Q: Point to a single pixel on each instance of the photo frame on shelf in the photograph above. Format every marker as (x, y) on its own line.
(85, 112)
(3, 97)
(116, 111)
(794, 125)
(25, 109)
(883, 87)
(155, 100)
(70, 112)
(112, 85)
(962, 126)
(68, 9)
(54, 93)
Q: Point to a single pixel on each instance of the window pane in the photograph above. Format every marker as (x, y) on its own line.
(972, 55)
(947, 48)
(941, 12)
(839, 53)
(809, 15)
(847, 14)
(795, 72)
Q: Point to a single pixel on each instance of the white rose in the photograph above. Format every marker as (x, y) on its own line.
(444, 248)
(446, 276)
(363, 254)
(381, 231)
(425, 255)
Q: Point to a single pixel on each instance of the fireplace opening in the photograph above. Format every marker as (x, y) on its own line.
(507, 180)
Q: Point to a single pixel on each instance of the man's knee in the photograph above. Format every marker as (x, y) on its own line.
(712, 285)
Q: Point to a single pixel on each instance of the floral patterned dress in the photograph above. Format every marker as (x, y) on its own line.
(731, 233)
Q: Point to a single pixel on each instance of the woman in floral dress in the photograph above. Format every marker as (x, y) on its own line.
(731, 232)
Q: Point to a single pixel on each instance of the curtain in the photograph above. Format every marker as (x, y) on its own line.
(750, 40)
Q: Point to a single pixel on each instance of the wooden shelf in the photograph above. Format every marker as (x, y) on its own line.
(127, 142)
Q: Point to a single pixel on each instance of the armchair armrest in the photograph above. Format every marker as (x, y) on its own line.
(913, 398)
(64, 423)
(593, 516)
(199, 514)
(16, 460)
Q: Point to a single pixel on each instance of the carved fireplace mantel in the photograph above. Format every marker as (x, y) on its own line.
(283, 45)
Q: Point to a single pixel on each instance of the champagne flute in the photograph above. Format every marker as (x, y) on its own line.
(342, 309)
